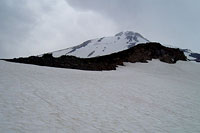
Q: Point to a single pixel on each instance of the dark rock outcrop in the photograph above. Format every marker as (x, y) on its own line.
(138, 53)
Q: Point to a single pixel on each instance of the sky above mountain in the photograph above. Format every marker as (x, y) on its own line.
(39, 26)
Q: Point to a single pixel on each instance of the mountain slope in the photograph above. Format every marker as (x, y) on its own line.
(103, 46)
(154, 97)
(138, 53)
(108, 45)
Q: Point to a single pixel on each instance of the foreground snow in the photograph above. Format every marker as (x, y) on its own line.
(153, 97)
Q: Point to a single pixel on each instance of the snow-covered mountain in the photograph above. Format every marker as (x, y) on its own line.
(104, 45)
(108, 45)
(137, 97)
(139, 53)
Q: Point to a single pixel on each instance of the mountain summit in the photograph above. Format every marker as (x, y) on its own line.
(113, 44)
(103, 46)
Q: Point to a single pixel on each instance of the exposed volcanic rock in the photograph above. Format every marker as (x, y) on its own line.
(138, 53)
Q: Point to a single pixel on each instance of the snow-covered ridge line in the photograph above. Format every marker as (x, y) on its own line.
(103, 46)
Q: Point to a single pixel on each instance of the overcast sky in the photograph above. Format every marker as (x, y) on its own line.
(31, 27)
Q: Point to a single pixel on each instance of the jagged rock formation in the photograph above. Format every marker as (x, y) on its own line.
(139, 53)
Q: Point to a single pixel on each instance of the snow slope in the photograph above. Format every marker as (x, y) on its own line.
(103, 46)
(140, 98)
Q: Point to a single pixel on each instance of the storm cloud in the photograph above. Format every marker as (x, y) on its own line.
(39, 26)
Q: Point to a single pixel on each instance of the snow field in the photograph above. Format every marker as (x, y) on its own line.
(140, 98)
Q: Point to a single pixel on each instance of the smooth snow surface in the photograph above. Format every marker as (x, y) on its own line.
(137, 98)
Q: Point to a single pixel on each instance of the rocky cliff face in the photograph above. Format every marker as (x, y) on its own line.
(139, 53)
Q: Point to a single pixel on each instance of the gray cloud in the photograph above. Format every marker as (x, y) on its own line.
(34, 27)
(173, 22)
(15, 24)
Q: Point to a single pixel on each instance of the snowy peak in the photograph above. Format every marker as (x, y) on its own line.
(113, 44)
(131, 37)
(104, 46)
(130, 34)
